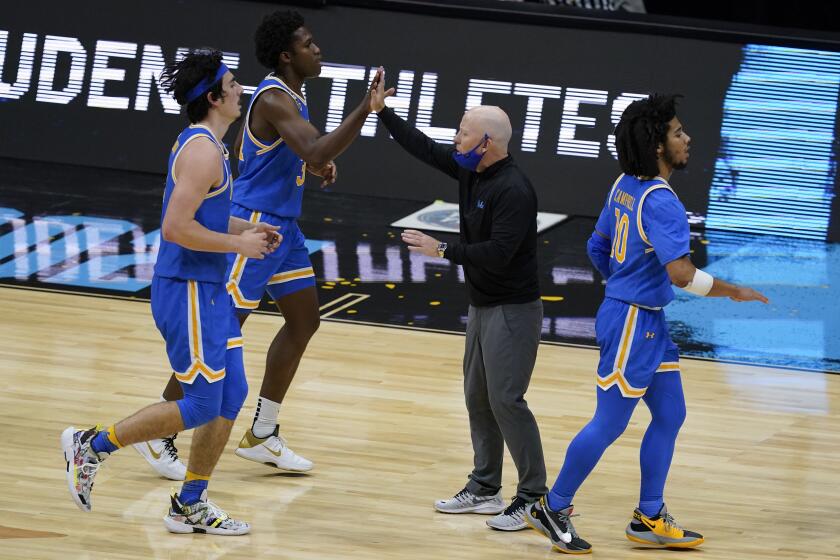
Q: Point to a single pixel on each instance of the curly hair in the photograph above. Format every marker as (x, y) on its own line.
(274, 35)
(180, 77)
(643, 126)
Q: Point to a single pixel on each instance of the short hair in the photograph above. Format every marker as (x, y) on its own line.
(274, 35)
(180, 77)
(643, 126)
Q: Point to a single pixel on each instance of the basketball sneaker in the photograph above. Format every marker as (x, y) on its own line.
(467, 502)
(513, 518)
(162, 455)
(273, 451)
(557, 526)
(661, 530)
(82, 463)
(202, 517)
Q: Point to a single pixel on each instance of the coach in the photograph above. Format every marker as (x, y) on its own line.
(498, 250)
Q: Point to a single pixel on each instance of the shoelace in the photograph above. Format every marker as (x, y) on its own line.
(276, 443)
(89, 469)
(567, 519)
(670, 521)
(169, 447)
(516, 507)
(463, 495)
(217, 512)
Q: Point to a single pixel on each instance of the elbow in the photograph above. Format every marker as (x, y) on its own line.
(680, 282)
(682, 279)
(169, 232)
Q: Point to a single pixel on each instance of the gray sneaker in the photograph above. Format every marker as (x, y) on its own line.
(513, 518)
(467, 502)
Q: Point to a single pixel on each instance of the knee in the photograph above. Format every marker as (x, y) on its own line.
(671, 416)
(197, 410)
(234, 397)
(507, 405)
(606, 430)
(302, 329)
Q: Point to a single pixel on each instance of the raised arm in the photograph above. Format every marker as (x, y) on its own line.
(279, 110)
(412, 140)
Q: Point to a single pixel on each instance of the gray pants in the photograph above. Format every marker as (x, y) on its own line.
(501, 349)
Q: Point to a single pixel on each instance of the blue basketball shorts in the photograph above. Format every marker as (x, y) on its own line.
(635, 345)
(283, 272)
(195, 321)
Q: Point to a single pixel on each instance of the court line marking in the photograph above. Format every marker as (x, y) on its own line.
(358, 298)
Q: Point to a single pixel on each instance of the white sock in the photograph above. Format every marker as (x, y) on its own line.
(265, 418)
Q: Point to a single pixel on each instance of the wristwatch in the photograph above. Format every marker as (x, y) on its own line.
(441, 249)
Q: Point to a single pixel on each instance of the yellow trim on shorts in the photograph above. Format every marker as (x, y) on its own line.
(290, 275)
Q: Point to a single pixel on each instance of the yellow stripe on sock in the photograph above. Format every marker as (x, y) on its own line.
(112, 436)
(192, 476)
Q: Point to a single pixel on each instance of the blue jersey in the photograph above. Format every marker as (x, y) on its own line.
(271, 175)
(175, 261)
(647, 227)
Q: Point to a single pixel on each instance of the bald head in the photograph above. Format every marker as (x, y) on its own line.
(492, 121)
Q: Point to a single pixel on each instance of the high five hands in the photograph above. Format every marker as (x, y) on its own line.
(377, 91)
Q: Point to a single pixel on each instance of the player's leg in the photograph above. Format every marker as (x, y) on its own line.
(617, 328)
(191, 511)
(161, 453)
(292, 287)
(186, 316)
(652, 524)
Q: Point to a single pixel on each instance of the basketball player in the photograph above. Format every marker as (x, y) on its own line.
(190, 305)
(641, 245)
(276, 147)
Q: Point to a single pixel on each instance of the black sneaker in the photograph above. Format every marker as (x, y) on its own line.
(557, 526)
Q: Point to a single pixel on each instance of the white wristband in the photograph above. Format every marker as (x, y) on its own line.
(701, 284)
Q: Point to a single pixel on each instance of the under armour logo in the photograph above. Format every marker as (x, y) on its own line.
(480, 204)
(649, 334)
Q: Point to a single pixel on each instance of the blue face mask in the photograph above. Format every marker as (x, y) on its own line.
(469, 161)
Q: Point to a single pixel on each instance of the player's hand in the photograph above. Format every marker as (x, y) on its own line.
(272, 236)
(378, 93)
(253, 244)
(329, 173)
(419, 242)
(748, 294)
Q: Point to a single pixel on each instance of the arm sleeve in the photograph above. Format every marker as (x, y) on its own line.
(598, 249)
(665, 225)
(599, 245)
(418, 144)
(513, 214)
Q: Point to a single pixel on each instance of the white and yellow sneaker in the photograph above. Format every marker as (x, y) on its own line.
(82, 463)
(273, 451)
(162, 455)
(202, 517)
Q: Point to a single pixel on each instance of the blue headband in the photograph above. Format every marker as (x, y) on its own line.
(206, 84)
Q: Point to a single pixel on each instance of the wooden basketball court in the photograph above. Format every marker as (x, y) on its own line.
(380, 411)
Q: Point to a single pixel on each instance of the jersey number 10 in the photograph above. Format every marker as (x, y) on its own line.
(619, 242)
